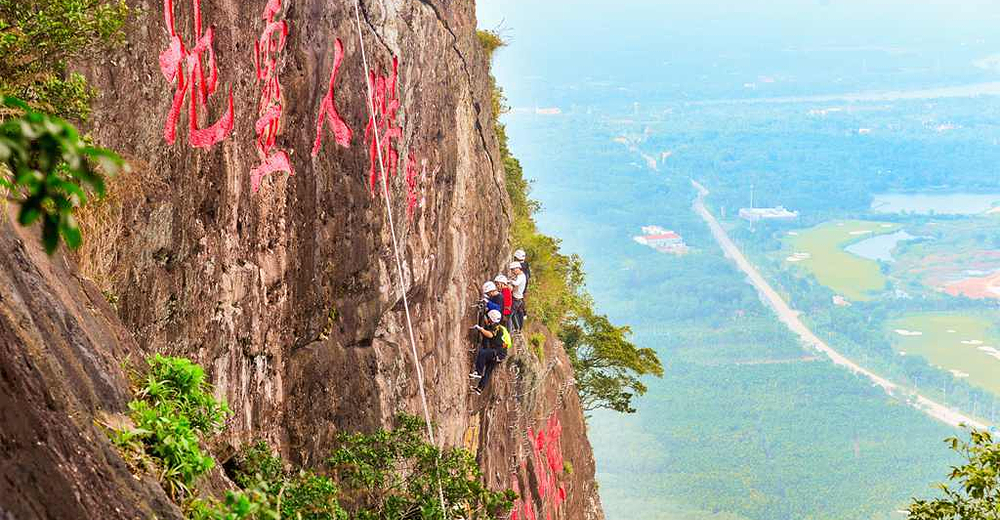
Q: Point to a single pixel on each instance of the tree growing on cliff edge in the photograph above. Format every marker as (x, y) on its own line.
(606, 365)
(978, 493)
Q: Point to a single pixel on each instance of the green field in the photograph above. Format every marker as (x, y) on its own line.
(954, 342)
(820, 251)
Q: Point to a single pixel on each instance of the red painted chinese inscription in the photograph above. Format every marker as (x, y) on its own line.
(270, 106)
(187, 68)
(384, 106)
(328, 111)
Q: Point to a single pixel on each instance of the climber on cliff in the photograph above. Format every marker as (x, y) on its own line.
(518, 284)
(503, 285)
(496, 345)
(522, 257)
(492, 297)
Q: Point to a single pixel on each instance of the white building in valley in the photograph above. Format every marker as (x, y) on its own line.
(775, 213)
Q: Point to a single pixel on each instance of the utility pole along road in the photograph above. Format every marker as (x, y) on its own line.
(790, 318)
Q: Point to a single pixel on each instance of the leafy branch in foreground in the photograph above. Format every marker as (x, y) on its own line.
(49, 171)
(978, 493)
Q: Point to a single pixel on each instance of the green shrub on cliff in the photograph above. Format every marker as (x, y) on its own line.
(385, 474)
(45, 166)
(173, 411)
(295, 494)
(395, 474)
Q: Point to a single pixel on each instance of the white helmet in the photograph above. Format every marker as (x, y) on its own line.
(501, 279)
(489, 287)
(519, 255)
(494, 316)
(514, 265)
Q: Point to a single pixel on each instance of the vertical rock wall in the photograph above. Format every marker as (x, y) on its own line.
(289, 296)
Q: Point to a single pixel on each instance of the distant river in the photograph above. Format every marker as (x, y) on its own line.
(944, 204)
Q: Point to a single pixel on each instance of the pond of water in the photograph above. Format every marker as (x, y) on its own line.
(879, 247)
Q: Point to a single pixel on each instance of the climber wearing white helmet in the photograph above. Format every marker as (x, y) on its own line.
(522, 257)
(492, 297)
(496, 344)
(503, 284)
(518, 284)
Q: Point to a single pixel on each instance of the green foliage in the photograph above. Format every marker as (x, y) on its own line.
(490, 40)
(48, 170)
(537, 341)
(567, 467)
(257, 463)
(175, 409)
(312, 497)
(395, 474)
(978, 493)
(38, 38)
(238, 505)
(303, 496)
(606, 364)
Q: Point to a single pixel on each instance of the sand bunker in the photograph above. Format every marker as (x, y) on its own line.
(904, 332)
(860, 232)
(976, 287)
(972, 342)
(989, 350)
(959, 373)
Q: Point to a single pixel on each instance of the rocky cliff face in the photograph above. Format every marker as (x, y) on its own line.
(289, 295)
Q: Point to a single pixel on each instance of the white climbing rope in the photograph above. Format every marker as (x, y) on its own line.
(399, 262)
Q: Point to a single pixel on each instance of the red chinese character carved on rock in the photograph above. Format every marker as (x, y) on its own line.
(270, 107)
(412, 184)
(176, 62)
(328, 111)
(547, 445)
(384, 105)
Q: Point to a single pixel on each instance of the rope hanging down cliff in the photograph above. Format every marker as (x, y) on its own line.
(395, 249)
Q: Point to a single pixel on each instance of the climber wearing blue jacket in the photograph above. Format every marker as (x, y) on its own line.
(492, 297)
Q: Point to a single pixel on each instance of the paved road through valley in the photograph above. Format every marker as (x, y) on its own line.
(790, 318)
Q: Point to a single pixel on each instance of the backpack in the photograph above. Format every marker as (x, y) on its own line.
(505, 335)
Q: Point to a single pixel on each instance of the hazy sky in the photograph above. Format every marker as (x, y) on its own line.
(558, 40)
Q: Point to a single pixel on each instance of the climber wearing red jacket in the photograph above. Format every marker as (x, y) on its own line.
(503, 284)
